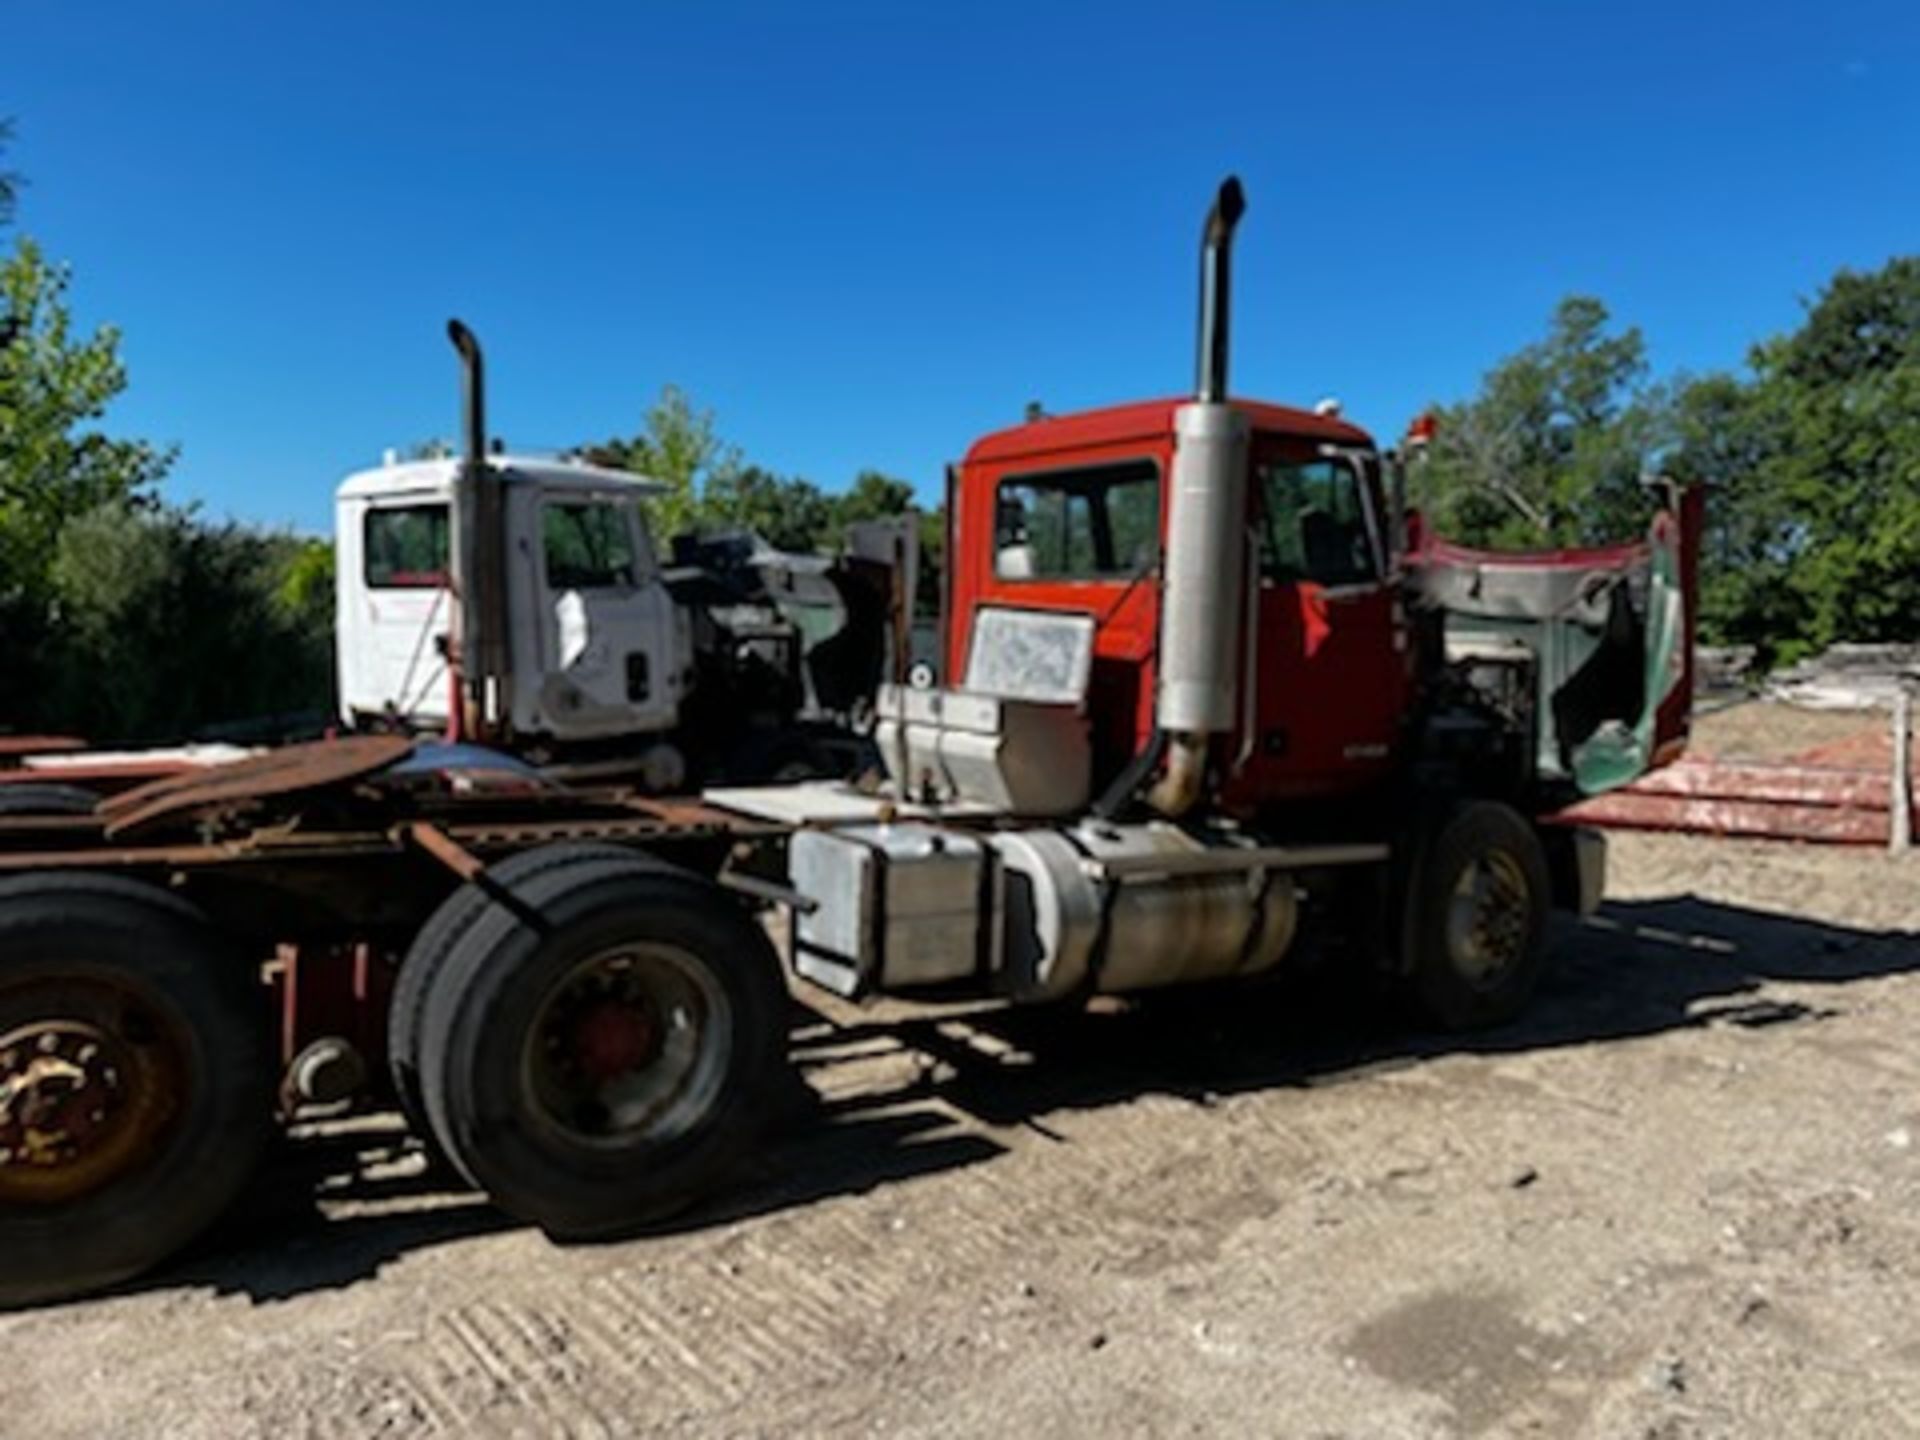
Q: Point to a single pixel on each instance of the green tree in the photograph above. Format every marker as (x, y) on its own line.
(872, 496)
(711, 486)
(787, 512)
(55, 462)
(680, 448)
(1815, 455)
(1724, 436)
(1553, 448)
(301, 577)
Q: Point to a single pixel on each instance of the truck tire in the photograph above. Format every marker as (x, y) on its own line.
(35, 798)
(1475, 916)
(598, 1054)
(430, 949)
(136, 1081)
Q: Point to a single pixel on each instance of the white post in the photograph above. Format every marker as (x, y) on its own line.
(1900, 835)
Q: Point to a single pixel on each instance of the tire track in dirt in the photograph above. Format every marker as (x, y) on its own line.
(694, 1329)
(686, 1329)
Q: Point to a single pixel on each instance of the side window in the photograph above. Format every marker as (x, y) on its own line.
(588, 545)
(405, 547)
(1099, 523)
(1313, 524)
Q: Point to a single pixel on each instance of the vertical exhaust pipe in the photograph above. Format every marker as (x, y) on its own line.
(478, 553)
(1204, 589)
(1216, 291)
(473, 393)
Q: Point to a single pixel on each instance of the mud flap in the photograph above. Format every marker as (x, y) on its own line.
(1577, 867)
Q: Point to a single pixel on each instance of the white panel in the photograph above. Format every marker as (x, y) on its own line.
(1043, 656)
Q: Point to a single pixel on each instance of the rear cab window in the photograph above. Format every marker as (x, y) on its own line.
(1097, 522)
(405, 547)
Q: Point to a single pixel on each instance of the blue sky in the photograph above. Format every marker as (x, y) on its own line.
(864, 235)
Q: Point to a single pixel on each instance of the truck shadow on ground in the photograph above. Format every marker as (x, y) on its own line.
(928, 1092)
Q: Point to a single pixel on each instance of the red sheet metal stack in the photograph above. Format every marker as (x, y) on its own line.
(1837, 794)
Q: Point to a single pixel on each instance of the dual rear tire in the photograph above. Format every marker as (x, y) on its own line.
(591, 1037)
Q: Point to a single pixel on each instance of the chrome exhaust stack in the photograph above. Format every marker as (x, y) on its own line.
(1203, 591)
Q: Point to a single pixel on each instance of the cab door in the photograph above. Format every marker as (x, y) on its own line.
(1329, 649)
(605, 626)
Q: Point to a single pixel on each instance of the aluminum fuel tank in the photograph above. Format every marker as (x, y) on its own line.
(1134, 907)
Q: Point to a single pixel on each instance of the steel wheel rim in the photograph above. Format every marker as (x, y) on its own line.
(1489, 915)
(631, 1047)
(92, 1080)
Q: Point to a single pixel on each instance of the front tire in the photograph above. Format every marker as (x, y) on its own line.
(1475, 917)
(599, 1052)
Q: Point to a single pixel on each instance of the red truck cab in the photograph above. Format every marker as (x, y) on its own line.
(1069, 513)
(1072, 512)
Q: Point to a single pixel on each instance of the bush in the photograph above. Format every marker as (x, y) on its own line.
(161, 625)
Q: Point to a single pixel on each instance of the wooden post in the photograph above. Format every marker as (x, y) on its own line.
(1900, 835)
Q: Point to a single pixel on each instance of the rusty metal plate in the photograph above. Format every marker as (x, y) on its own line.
(289, 770)
(1746, 819)
(18, 747)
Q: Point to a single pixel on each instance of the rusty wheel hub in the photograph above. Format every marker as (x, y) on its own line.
(81, 1102)
(59, 1088)
(1488, 919)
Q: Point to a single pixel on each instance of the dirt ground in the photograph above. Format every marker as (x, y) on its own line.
(1757, 730)
(1681, 1199)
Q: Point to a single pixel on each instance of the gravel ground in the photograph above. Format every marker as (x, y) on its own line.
(1679, 1200)
(1759, 730)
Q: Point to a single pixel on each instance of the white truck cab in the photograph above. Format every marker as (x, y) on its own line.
(596, 644)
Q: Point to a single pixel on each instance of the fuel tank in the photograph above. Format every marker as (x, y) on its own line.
(1034, 914)
(1113, 908)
